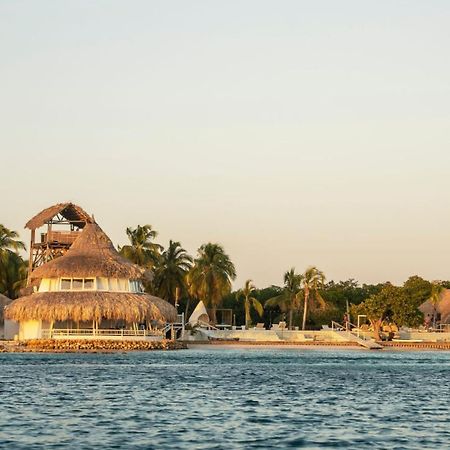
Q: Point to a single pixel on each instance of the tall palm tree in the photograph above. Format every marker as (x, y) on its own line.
(313, 280)
(170, 273)
(142, 250)
(9, 241)
(289, 299)
(249, 301)
(210, 277)
(435, 298)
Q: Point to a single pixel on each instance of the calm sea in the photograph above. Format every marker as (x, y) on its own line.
(226, 399)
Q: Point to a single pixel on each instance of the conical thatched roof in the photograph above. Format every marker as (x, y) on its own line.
(443, 307)
(69, 211)
(88, 306)
(4, 301)
(92, 254)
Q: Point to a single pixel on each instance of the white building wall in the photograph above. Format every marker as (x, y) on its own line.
(30, 329)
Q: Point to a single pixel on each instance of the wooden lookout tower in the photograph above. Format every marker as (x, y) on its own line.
(63, 223)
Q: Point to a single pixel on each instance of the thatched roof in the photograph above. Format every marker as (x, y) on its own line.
(73, 213)
(3, 302)
(443, 308)
(92, 254)
(88, 306)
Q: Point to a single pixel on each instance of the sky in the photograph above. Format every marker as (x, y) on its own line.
(294, 133)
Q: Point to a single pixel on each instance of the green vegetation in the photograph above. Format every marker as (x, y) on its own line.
(312, 280)
(171, 271)
(249, 301)
(289, 299)
(13, 269)
(391, 304)
(142, 250)
(305, 298)
(211, 276)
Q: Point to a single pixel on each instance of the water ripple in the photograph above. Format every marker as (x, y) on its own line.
(225, 399)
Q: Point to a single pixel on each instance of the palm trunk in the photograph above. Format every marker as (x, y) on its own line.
(177, 296)
(213, 315)
(290, 318)
(186, 311)
(247, 314)
(305, 309)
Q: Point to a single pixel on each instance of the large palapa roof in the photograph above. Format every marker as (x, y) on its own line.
(87, 306)
(73, 213)
(91, 255)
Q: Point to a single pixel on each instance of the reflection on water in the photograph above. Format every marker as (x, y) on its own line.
(225, 398)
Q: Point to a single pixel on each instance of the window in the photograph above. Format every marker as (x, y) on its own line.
(102, 284)
(113, 284)
(77, 284)
(53, 284)
(66, 284)
(123, 284)
(88, 283)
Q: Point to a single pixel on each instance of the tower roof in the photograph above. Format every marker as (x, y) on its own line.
(91, 255)
(71, 212)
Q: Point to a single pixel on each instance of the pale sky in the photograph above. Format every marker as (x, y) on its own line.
(294, 133)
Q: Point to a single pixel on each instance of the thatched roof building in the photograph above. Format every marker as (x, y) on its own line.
(91, 255)
(90, 282)
(443, 308)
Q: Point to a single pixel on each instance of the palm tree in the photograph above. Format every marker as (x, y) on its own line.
(8, 240)
(313, 280)
(170, 273)
(13, 269)
(435, 298)
(210, 277)
(249, 301)
(289, 299)
(13, 273)
(142, 250)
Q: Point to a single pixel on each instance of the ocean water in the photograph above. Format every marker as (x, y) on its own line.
(226, 399)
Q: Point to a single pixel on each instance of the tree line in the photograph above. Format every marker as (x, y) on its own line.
(304, 300)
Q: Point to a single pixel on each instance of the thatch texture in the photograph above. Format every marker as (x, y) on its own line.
(70, 211)
(88, 306)
(443, 308)
(91, 255)
(4, 301)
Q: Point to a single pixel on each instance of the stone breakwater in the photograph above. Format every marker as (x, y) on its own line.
(61, 346)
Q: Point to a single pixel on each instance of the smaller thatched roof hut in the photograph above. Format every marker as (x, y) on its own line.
(113, 292)
(443, 307)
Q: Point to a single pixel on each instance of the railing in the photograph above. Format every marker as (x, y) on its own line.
(180, 318)
(61, 237)
(335, 326)
(350, 328)
(98, 332)
(443, 327)
(207, 325)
